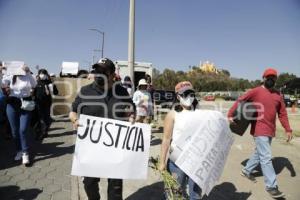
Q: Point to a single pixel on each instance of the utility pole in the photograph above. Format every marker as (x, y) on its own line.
(102, 33)
(131, 41)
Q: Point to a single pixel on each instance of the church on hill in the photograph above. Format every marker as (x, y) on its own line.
(209, 67)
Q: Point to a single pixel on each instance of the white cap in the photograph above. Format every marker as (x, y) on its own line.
(142, 82)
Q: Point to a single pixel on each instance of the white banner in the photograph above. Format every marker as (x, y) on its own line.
(70, 68)
(14, 67)
(108, 148)
(202, 154)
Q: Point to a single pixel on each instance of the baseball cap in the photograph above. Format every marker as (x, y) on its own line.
(142, 82)
(269, 72)
(104, 64)
(183, 86)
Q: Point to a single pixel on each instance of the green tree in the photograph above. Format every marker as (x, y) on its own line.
(283, 79)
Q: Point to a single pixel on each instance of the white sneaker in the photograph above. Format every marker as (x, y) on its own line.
(25, 158)
(18, 156)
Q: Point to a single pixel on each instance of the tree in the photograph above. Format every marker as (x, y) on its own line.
(283, 79)
(226, 72)
(155, 73)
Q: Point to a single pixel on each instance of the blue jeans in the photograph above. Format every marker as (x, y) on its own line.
(184, 180)
(19, 121)
(263, 156)
(2, 107)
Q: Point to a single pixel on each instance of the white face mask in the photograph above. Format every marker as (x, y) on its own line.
(188, 101)
(43, 76)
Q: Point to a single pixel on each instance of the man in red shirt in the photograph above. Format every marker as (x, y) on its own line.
(268, 102)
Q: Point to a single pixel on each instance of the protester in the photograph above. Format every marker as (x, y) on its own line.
(150, 87)
(263, 129)
(128, 85)
(90, 101)
(43, 97)
(19, 107)
(174, 122)
(143, 102)
(151, 90)
(3, 96)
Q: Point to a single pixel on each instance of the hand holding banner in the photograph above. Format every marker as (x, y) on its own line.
(202, 150)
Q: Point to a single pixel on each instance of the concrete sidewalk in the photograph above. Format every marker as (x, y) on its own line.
(49, 177)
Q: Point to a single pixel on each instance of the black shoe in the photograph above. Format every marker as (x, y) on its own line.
(275, 193)
(248, 176)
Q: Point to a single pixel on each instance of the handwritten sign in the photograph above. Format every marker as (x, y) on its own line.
(70, 68)
(202, 153)
(108, 148)
(14, 67)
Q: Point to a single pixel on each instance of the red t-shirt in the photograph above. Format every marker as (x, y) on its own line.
(271, 103)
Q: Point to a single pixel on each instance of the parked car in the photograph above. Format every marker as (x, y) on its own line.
(209, 97)
(289, 100)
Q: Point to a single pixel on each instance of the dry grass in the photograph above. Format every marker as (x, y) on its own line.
(294, 123)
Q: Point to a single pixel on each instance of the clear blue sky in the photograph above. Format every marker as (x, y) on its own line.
(241, 36)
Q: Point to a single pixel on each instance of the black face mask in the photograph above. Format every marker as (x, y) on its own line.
(269, 83)
(100, 81)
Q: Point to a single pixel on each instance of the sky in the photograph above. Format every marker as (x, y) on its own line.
(242, 36)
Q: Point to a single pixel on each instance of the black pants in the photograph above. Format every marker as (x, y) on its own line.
(114, 189)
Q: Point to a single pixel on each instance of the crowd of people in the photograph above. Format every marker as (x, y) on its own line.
(25, 103)
(23, 96)
(262, 129)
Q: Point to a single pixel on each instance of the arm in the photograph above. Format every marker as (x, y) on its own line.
(246, 97)
(32, 80)
(54, 89)
(73, 114)
(283, 118)
(167, 137)
(6, 79)
(132, 110)
(137, 100)
(74, 119)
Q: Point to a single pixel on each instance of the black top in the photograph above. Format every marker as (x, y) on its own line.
(41, 96)
(115, 103)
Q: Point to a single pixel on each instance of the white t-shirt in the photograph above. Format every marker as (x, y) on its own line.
(142, 100)
(22, 87)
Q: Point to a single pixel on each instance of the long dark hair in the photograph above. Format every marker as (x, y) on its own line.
(43, 71)
(14, 79)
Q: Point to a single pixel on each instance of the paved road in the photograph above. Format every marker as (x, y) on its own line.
(49, 177)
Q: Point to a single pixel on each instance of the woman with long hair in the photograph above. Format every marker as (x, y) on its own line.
(174, 123)
(19, 110)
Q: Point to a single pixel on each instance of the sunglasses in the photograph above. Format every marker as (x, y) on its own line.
(188, 94)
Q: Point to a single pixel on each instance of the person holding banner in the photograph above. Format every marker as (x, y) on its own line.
(263, 128)
(19, 109)
(174, 121)
(103, 98)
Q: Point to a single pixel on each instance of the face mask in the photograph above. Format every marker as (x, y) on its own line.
(43, 76)
(187, 101)
(269, 83)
